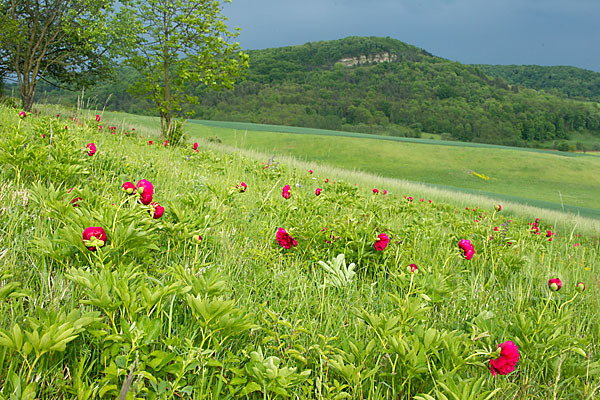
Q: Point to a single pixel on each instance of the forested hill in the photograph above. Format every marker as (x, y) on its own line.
(571, 82)
(381, 85)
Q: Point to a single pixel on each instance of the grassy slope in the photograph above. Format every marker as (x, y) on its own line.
(473, 305)
(535, 177)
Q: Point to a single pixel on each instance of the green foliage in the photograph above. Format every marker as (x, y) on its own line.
(180, 44)
(158, 313)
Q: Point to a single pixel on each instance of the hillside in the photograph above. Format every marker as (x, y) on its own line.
(563, 81)
(137, 270)
(378, 85)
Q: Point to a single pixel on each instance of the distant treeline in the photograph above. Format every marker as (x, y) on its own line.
(379, 85)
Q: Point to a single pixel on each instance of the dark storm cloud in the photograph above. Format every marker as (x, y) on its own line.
(543, 32)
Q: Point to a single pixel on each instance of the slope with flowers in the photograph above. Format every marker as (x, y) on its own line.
(145, 271)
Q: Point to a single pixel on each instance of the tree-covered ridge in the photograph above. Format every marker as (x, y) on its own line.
(564, 81)
(416, 92)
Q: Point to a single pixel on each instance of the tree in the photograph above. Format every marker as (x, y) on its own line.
(181, 44)
(67, 41)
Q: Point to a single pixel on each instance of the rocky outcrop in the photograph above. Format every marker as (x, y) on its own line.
(368, 59)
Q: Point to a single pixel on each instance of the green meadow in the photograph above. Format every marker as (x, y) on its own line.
(544, 178)
(242, 292)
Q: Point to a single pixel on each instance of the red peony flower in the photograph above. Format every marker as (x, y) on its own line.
(91, 149)
(22, 114)
(318, 191)
(384, 192)
(413, 268)
(409, 198)
(507, 359)
(75, 200)
(495, 229)
(242, 187)
(376, 191)
(285, 240)
(580, 287)
(498, 207)
(97, 118)
(467, 247)
(196, 146)
(158, 210)
(310, 171)
(326, 180)
(94, 237)
(554, 284)
(381, 242)
(286, 192)
(166, 143)
(150, 142)
(146, 190)
(128, 187)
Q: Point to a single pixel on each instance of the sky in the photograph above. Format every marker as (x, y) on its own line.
(541, 32)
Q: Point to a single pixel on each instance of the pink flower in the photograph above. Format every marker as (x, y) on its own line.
(548, 233)
(22, 114)
(576, 245)
(286, 192)
(158, 210)
(166, 143)
(507, 359)
(128, 187)
(326, 180)
(384, 192)
(91, 149)
(197, 238)
(97, 118)
(413, 268)
(554, 284)
(94, 237)
(409, 198)
(242, 187)
(318, 191)
(75, 200)
(376, 191)
(146, 190)
(196, 146)
(422, 199)
(467, 247)
(580, 287)
(498, 207)
(310, 171)
(495, 229)
(99, 127)
(381, 242)
(285, 240)
(150, 142)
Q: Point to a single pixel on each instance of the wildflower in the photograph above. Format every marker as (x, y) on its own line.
(75, 200)
(242, 187)
(99, 127)
(554, 284)
(318, 191)
(326, 180)
(495, 229)
(22, 114)
(422, 199)
(413, 269)
(498, 207)
(384, 192)
(310, 171)
(286, 192)
(197, 238)
(94, 237)
(467, 247)
(409, 198)
(576, 245)
(158, 210)
(146, 190)
(166, 143)
(376, 191)
(150, 142)
(196, 147)
(580, 287)
(508, 356)
(128, 187)
(549, 233)
(381, 242)
(97, 118)
(91, 149)
(285, 240)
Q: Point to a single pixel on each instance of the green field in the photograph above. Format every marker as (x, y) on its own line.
(206, 301)
(566, 182)
(536, 177)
